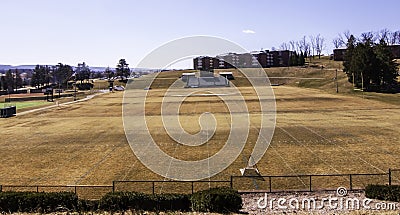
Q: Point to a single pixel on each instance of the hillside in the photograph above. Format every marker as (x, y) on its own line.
(318, 74)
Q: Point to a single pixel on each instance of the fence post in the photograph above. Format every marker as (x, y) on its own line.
(390, 177)
(192, 187)
(1, 188)
(113, 186)
(75, 189)
(351, 182)
(270, 184)
(310, 184)
(37, 188)
(231, 181)
(153, 187)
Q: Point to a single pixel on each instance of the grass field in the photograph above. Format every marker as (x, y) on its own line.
(318, 132)
(24, 105)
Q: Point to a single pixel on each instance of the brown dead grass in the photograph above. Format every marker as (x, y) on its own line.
(317, 133)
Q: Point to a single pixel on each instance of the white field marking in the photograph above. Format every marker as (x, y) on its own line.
(205, 94)
(288, 77)
(170, 163)
(382, 150)
(310, 150)
(35, 146)
(133, 165)
(287, 165)
(51, 173)
(48, 175)
(280, 156)
(93, 167)
(329, 141)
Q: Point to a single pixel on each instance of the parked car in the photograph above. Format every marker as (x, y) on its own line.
(119, 88)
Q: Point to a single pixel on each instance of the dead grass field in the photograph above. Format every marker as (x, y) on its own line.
(318, 132)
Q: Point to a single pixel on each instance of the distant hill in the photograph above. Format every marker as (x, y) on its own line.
(92, 68)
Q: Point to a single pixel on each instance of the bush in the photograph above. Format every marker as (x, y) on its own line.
(85, 205)
(37, 202)
(383, 192)
(220, 200)
(213, 200)
(172, 202)
(84, 86)
(121, 201)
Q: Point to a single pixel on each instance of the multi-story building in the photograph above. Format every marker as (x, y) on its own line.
(245, 60)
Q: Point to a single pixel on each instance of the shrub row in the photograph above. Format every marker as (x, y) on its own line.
(221, 200)
(122, 201)
(213, 200)
(37, 202)
(84, 86)
(383, 192)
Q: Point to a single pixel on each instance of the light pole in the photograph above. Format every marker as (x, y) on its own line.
(75, 88)
(337, 84)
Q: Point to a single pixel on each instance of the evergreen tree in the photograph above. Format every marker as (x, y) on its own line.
(41, 76)
(61, 73)
(122, 69)
(9, 81)
(109, 73)
(82, 72)
(386, 64)
(18, 79)
(1, 82)
(368, 65)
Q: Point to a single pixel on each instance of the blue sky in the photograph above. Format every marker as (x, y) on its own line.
(100, 32)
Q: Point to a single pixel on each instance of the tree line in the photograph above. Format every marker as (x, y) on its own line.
(369, 64)
(390, 37)
(306, 47)
(59, 75)
(12, 80)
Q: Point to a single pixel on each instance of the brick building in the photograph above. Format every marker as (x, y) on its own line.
(264, 59)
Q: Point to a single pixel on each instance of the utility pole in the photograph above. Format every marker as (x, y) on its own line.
(337, 84)
(75, 88)
(362, 84)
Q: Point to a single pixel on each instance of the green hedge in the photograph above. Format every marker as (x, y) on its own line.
(221, 200)
(37, 202)
(86, 205)
(121, 201)
(212, 200)
(383, 192)
(84, 86)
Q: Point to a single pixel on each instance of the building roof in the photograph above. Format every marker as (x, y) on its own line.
(225, 73)
(188, 73)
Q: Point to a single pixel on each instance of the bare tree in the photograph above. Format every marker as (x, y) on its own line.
(384, 34)
(284, 46)
(343, 38)
(367, 37)
(394, 37)
(398, 37)
(304, 46)
(337, 43)
(347, 34)
(319, 44)
(292, 45)
(313, 45)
